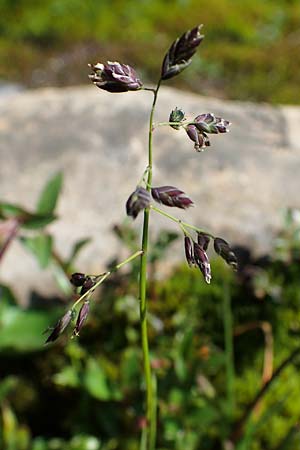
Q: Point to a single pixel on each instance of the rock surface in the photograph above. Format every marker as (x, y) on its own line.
(240, 185)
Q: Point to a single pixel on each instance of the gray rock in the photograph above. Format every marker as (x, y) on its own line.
(240, 185)
(7, 89)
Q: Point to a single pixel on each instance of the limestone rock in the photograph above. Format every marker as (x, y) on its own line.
(240, 185)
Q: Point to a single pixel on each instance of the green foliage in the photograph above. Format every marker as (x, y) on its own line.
(41, 247)
(100, 372)
(39, 242)
(22, 331)
(49, 195)
(191, 353)
(251, 49)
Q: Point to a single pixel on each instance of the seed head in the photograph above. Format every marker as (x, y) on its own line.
(87, 285)
(171, 196)
(82, 315)
(199, 138)
(188, 248)
(115, 77)
(60, 326)
(208, 123)
(223, 249)
(138, 200)
(202, 262)
(203, 240)
(179, 55)
(177, 115)
(77, 279)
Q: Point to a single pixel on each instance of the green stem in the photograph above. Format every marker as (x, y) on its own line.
(167, 124)
(180, 222)
(178, 124)
(105, 275)
(150, 401)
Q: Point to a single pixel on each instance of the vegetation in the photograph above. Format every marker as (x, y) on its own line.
(201, 377)
(251, 51)
(84, 394)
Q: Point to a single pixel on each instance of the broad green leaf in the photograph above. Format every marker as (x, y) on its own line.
(9, 210)
(49, 195)
(41, 247)
(37, 221)
(95, 381)
(27, 219)
(22, 330)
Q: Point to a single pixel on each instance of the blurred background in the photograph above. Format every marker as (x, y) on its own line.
(225, 356)
(49, 42)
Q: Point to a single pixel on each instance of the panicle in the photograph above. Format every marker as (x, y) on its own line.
(137, 201)
(82, 315)
(199, 138)
(115, 77)
(77, 279)
(60, 326)
(88, 284)
(223, 249)
(171, 196)
(202, 262)
(188, 248)
(179, 55)
(203, 240)
(209, 123)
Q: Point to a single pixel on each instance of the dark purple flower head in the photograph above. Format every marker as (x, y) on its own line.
(60, 326)
(203, 240)
(180, 53)
(87, 285)
(82, 315)
(202, 262)
(171, 196)
(115, 77)
(223, 249)
(199, 138)
(177, 115)
(188, 248)
(77, 279)
(138, 200)
(208, 123)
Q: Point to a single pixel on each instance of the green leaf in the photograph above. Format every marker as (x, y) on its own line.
(41, 247)
(22, 331)
(95, 381)
(9, 210)
(37, 221)
(49, 195)
(27, 219)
